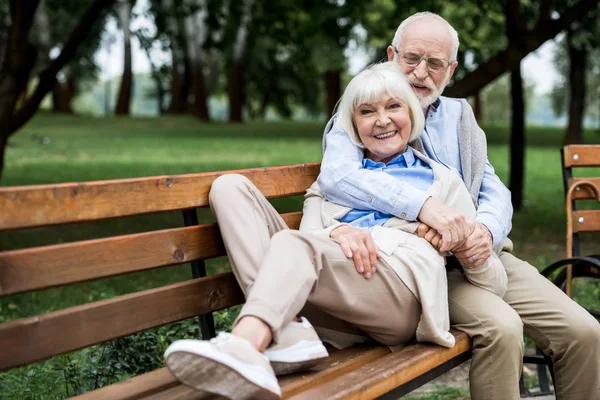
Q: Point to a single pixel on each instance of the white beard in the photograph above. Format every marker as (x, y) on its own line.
(426, 101)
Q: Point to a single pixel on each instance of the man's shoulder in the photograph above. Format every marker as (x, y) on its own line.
(452, 102)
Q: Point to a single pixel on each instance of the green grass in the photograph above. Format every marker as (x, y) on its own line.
(83, 149)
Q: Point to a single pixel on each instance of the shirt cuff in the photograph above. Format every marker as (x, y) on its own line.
(492, 224)
(324, 233)
(413, 201)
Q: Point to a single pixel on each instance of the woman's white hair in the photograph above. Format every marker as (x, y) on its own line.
(421, 15)
(370, 86)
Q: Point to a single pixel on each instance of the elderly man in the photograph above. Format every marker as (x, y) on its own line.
(425, 47)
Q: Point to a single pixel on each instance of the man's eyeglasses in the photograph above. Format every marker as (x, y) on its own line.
(434, 64)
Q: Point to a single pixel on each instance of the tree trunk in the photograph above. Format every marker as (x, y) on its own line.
(19, 60)
(332, 89)
(56, 96)
(3, 145)
(62, 96)
(478, 110)
(235, 92)
(200, 108)
(578, 60)
(178, 105)
(517, 139)
(124, 99)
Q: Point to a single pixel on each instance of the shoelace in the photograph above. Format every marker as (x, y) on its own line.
(222, 338)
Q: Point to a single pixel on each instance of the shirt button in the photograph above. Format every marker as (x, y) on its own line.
(369, 200)
(403, 215)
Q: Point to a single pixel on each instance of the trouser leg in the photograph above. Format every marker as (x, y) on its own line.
(247, 222)
(560, 327)
(301, 267)
(279, 270)
(497, 334)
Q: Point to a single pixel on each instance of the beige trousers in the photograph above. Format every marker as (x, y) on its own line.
(534, 307)
(281, 270)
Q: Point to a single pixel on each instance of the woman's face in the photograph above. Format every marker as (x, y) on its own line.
(384, 127)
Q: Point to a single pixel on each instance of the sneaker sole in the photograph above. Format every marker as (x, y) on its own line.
(301, 356)
(204, 373)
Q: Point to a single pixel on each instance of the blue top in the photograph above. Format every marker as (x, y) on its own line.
(343, 179)
(403, 167)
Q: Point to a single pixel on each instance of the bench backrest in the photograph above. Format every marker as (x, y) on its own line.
(588, 188)
(36, 338)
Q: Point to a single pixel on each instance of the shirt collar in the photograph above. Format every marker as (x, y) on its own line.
(407, 158)
(435, 105)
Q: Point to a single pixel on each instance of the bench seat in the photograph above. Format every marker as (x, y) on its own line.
(358, 372)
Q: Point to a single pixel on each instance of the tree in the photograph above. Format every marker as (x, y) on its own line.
(236, 84)
(124, 17)
(577, 63)
(53, 23)
(542, 29)
(19, 60)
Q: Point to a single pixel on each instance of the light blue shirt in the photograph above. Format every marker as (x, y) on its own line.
(344, 181)
(403, 167)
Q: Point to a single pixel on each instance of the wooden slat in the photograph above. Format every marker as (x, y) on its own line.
(138, 387)
(584, 193)
(586, 221)
(582, 155)
(161, 384)
(50, 266)
(339, 363)
(387, 373)
(40, 205)
(36, 338)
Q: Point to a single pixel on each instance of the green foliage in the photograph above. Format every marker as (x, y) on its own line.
(496, 100)
(560, 91)
(98, 366)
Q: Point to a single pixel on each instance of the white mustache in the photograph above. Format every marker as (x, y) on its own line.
(427, 82)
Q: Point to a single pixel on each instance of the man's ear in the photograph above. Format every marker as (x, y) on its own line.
(452, 68)
(390, 53)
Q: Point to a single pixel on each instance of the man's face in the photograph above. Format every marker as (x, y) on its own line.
(426, 37)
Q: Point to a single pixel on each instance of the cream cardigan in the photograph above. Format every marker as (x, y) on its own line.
(415, 261)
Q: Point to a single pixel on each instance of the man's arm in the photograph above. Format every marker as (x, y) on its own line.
(495, 209)
(344, 181)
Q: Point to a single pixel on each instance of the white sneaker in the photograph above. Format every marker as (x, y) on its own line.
(299, 348)
(226, 365)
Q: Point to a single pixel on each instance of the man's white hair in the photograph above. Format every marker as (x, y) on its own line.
(427, 14)
(369, 86)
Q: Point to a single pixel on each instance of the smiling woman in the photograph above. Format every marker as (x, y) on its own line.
(380, 112)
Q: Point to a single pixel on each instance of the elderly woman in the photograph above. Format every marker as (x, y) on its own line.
(281, 271)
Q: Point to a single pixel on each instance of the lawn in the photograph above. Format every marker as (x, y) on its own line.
(66, 148)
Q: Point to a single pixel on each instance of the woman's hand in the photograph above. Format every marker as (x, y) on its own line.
(451, 225)
(358, 244)
(431, 235)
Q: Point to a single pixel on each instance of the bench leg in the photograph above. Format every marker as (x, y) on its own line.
(207, 324)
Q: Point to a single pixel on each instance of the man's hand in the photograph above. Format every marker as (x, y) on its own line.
(451, 225)
(476, 249)
(358, 244)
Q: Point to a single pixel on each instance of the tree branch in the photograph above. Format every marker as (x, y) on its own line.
(510, 58)
(47, 78)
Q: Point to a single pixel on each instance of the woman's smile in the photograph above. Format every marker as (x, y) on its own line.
(386, 135)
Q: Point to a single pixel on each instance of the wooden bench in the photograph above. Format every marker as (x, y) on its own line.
(361, 372)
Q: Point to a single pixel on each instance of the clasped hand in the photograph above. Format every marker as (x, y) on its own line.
(448, 230)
